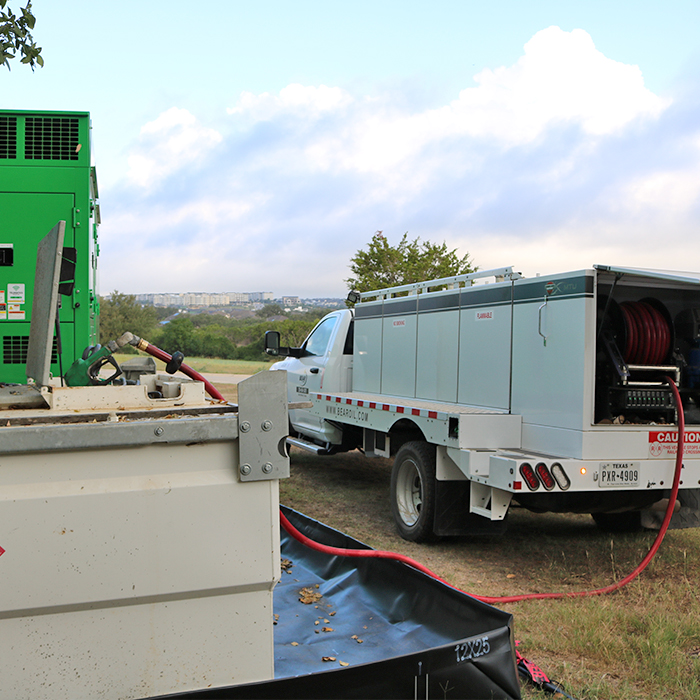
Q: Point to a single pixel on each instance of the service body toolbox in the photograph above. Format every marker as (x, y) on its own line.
(138, 557)
(551, 390)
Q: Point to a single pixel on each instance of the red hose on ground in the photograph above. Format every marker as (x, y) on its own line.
(378, 554)
(185, 369)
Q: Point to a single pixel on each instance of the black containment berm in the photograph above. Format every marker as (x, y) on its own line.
(349, 627)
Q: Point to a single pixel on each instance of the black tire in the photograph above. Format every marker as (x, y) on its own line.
(629, 521)
(413, 491)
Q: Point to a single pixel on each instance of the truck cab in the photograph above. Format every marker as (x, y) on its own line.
(322, 363)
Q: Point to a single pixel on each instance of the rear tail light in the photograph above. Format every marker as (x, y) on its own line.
(560, 475)
(545, 476)
(528, 474)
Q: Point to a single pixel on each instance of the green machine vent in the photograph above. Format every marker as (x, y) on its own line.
(51, 138)
(14, 350)
(8, 137)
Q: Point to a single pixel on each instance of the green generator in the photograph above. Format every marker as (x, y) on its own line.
(45, 177)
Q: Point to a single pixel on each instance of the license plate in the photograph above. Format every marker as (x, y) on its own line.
(624, 474)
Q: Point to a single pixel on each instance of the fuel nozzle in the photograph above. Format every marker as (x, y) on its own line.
(85, 371)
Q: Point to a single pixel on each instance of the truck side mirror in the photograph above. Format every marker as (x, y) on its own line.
(272, 343)
(273, 347)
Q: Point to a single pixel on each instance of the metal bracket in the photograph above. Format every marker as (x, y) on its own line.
(615, 355)
(263, 426)
(489, 501)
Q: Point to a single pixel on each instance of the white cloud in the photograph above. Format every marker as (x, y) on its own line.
(299, 100)
(167, 144)
(663, 193)
(561, 79)
(561, 160)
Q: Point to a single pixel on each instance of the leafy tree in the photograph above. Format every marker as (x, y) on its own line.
(178, 335)
(196, 336)
(162, 312)
(270, 310)
(210, 341)
(16, 36)
(383, 265)
(120, 313)
(294, 331)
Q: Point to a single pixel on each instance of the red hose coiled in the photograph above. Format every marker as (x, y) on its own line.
(648, 334)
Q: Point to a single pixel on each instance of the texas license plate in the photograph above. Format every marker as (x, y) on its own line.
(624, 474)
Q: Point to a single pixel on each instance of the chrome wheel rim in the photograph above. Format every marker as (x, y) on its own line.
(409, 492)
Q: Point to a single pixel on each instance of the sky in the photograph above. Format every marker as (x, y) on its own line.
(258, 146)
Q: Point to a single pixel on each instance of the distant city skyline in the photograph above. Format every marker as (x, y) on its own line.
(208, 299)
(203, 298)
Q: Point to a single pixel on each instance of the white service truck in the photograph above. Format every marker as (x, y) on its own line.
(490, 388)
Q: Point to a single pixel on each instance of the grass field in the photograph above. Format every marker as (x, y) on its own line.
(210, 365)
(641, 643)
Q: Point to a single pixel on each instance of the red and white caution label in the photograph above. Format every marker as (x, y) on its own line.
(664, 443)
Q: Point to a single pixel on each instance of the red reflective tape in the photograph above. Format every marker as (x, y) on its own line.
(372, 404)
(2, 551)
(385, 407)
(328, 398)
(432, 414)
(399, 409)
(360, 403)
(415, 411)
(517, 485)
(348, 401)
(337, 399)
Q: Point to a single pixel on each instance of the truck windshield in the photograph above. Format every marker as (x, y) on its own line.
(317, 342)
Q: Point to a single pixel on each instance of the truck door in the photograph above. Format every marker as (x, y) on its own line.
(307, 374)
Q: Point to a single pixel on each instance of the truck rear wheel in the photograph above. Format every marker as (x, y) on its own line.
(413, 491)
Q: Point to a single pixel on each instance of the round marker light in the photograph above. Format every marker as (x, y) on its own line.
(560, 475)
(545, 476)
(583, 471)
(528, 474)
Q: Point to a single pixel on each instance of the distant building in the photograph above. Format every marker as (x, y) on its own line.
(203, 299)
(290, 302)
(260, 296)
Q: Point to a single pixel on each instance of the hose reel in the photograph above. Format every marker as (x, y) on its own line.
(636, 344)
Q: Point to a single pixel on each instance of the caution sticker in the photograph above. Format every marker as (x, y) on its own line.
(15, 312)
(664, 443)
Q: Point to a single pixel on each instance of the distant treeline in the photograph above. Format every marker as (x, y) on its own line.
(203, 334)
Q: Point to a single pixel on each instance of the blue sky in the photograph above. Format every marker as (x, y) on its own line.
(256, 146)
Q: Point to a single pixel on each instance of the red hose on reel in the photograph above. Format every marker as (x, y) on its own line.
(648, 334)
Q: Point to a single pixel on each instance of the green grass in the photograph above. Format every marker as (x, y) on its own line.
(641, 643)
(212, 365)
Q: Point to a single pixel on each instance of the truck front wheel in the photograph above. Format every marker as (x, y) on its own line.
(413, 491)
